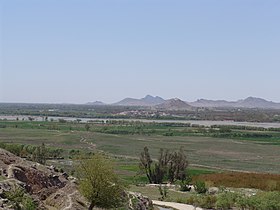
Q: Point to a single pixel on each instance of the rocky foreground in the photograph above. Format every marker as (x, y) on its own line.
(48, 188)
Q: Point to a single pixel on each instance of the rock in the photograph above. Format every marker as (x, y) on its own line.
(213, 190)
(34, 166)
(139, 202)
(191, 187)
(65, 175)
(40, 182)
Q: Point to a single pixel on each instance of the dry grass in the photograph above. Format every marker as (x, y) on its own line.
(267, 182)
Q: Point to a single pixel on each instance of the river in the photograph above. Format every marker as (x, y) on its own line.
(197, 122)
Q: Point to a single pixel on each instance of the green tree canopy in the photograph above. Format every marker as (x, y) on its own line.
(99, 183)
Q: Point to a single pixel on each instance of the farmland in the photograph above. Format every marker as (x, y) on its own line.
(204, 149)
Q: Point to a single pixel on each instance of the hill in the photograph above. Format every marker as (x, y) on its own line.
(253, 102)
(146, 101)
(174, 104)
(250, 102)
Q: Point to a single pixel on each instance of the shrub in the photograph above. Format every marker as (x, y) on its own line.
(62, 120)
(200, 187)
(163, 192)
(184, 185)
(19, 200)
(29, 204)
(226, 200)
(190, 200)
(208, 201)
(261, 201)
(204, 201)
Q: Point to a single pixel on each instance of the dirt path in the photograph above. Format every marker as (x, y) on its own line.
(221, 169)
(91, 145)
(178, 206)
(10, 171)
(70, 200)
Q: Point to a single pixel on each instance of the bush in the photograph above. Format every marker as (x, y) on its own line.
(62, 120)
(226, 200)
(208, 201)
(3, 126)
(200, 187)
(191, 200)
(29, 204)
(261, 201)
(184, 185)
(19, 200)
(204, 201)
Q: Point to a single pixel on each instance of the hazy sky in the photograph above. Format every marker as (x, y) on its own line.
(86, 50)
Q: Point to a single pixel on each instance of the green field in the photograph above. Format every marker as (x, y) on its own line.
(245, 154)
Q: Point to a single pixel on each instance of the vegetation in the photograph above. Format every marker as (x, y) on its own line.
(35, 153)
(226, 153)
(200, 187)
(19, 199)
(40, 154)
(99, 183)
(228, 200)
(260, 135)
(169, 165)
(163, 191)
(266, 182)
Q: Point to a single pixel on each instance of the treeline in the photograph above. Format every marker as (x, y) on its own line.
(243, 127)
(242, 135)
(34, 153)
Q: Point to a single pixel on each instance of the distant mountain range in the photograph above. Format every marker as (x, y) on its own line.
(177, 104)
(250, 102)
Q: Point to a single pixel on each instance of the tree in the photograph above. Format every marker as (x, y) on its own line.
(30, 118)
(146, 163)
(39, 154)
(87, 127)
(177, 166)
(98, 182)
(169, 165)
